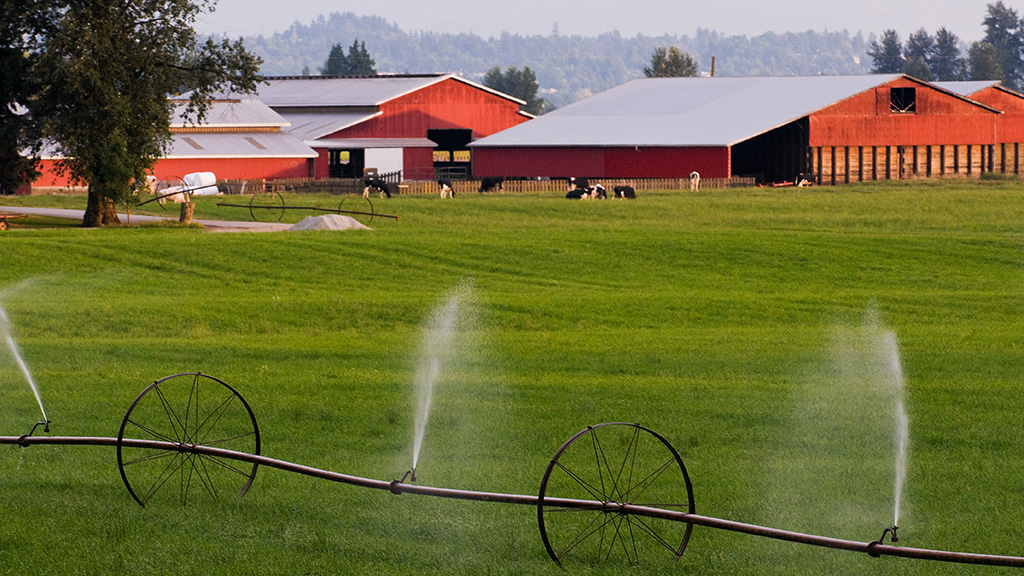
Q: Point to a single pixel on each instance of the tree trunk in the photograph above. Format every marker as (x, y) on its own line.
(99, 211)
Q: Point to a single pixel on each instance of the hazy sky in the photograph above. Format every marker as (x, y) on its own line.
(592, 17)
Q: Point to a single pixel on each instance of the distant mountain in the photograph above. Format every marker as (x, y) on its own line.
(568, 68)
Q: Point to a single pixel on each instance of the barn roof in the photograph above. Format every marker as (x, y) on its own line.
(238, 145)
(234, 113)
(314, 125)
(685, 111)
(966, 88)
(352, 91)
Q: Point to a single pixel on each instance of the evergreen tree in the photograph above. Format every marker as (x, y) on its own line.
(918, 53)
(946, 62)
(887, 54)
(671, 63)
(983, 62)
(336, 63)
(359, 62)
(1004, 32)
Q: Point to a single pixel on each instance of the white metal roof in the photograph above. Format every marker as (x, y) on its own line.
(233, 113)
(966, 88)
(238, 145)
(685, 111)
(314, 125)
(353, 143)
(368, 91)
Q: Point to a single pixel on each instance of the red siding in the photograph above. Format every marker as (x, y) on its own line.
(1011, 121)
(601, 162)
(446, 104)
(866, 120)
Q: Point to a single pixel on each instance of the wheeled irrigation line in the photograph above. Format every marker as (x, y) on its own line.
(310, 208)
(619, 487)
(875, 548)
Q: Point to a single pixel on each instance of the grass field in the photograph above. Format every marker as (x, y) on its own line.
(741, 325)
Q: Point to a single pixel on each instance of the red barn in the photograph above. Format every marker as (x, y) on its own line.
(834, 128)
(1006, 157)
(239, 138)
(420, 125)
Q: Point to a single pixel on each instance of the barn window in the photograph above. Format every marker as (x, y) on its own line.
(903, 100)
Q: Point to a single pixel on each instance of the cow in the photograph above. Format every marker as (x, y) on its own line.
(489, 184)
(694, 180)
(579, 188)
(623, 192)
(598, 192)
(374, 183)
(446, 188)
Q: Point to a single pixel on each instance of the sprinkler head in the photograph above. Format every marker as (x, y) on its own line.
(46, 427)
(412, 474)
(892, 532)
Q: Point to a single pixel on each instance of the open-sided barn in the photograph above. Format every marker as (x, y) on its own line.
(417, 124)
(832, 128)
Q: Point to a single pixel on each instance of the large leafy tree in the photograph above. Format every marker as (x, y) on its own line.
(887, 53)
(919, 50)
(19, 20)
(105, 69)
(521, 84)
(671, 62)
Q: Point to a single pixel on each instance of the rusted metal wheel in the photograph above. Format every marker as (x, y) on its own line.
(356, 206)
(267, 207)
(187, 410)
(614, 463)
(166, 189)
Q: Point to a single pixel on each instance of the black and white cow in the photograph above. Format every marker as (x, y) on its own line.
(625, 192)
(373, 183)
(489, 184)
(446, 188)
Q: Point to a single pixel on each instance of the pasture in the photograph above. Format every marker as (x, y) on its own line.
(735, 323)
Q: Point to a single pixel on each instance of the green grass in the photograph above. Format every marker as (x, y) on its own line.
(731, 322)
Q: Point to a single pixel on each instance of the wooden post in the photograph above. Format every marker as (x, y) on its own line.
(187, 207)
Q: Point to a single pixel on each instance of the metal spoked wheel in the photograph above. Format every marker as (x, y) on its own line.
(356, 206)
(168, 190)
(187, 410)
(267, 207)
(614, 463)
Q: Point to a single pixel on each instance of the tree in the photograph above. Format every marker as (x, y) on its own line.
(357, 63)
(946, 63)
(887, 55)
(105, 69)
(983, 62)
(918, 53)
(671, 63)
(520, 84)
(1003, 31)
(336, 63)
(20, 20)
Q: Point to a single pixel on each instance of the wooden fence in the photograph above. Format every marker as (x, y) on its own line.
(355, 185)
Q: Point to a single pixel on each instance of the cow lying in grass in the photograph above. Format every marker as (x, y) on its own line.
(625, 192)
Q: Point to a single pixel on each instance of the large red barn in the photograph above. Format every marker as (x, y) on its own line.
(420, 125)
(831, 128)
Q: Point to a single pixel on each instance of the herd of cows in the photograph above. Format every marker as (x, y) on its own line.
(579, 188)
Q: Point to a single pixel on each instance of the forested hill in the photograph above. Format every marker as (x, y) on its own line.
(568, 68)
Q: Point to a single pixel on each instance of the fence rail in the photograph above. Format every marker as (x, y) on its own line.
(355, 185)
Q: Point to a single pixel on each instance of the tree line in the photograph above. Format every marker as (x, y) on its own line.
(998, 56)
